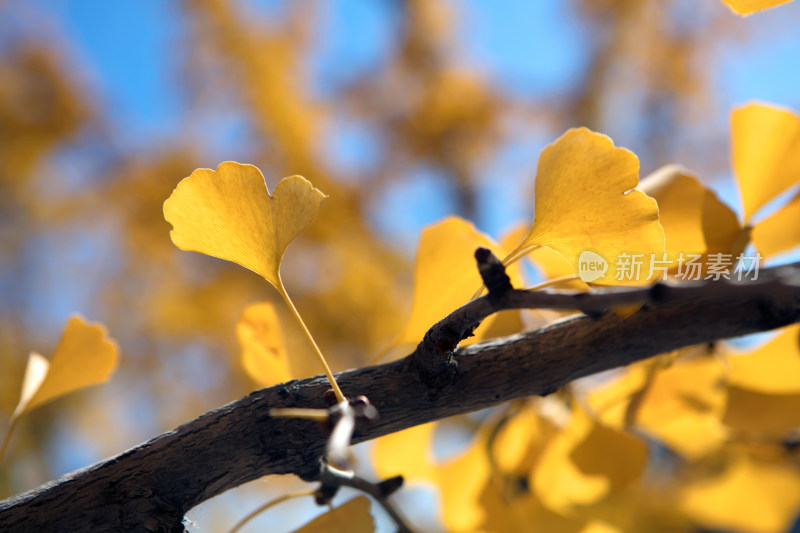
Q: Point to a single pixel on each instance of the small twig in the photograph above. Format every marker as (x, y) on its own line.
(433, 356)
(332, 479)
(493, 274)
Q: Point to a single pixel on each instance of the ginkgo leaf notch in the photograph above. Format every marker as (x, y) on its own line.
(230, 214)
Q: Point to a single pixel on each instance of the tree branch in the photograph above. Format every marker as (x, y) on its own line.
(150, 487)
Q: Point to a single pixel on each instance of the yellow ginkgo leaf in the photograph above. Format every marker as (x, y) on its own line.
(695, 221)
(263, 350)
(445, 274)
(229, 213)
(683, 406)
(585, 463)
(520, 441)
(747, 7)
(766, 416)
(408, 452)
(587, 202)
(84, 356)
(765, 141)
(350, 517)
(773, 368)
(459, 479)
(780, 232)
(749, 495)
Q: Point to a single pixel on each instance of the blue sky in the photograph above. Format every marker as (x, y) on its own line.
(131, 52)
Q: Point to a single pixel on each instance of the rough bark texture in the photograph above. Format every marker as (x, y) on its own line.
(150, 487)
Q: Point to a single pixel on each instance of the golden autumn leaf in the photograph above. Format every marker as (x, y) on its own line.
(445, 274)
(780, 231)
(229, 213)
(585, 463)
(586, 201)
(747, 7)
(408, 452)
(694, 219)
(350, 517)
(263, 351)
(84, 356)
(683, 406)
(459, 479)
(773, 368)
(765, 141)
(750, 495)
(680, 403)
(520, 441)
(762, 414)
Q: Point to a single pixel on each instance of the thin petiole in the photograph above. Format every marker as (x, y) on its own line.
(281, 289)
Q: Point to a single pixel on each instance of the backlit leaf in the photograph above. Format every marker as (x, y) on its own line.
(585, 463)
(766, 153)
(84, 356)
(229, 213)
(683, 406)
(695, 221)
(780, 231)
(445, 274)
(586, 201)
(350, 517)
(263, 350)
(35, 372)
(773, 368)
(750, 495)
(747, 7)
(459, 479)
(408, 452)
(761, 414)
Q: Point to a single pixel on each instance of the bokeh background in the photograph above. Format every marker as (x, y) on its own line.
(402, 111)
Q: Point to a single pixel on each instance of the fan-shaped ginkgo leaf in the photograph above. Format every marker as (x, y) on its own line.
(768, 416)
(263, 350)
(774, 368)
(445, 274)
(585, 463)
(780, 232)
(747, 7)
(749, 495)
(683, 406)
(694, 219)
(229, 213)
(586, 202)
(350, 517)
(459, 479)
(766, 153)
(84, 356)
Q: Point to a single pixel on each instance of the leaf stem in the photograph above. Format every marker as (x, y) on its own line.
(282, 290)
(551, 282)
(519, 253)
(12, 424)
